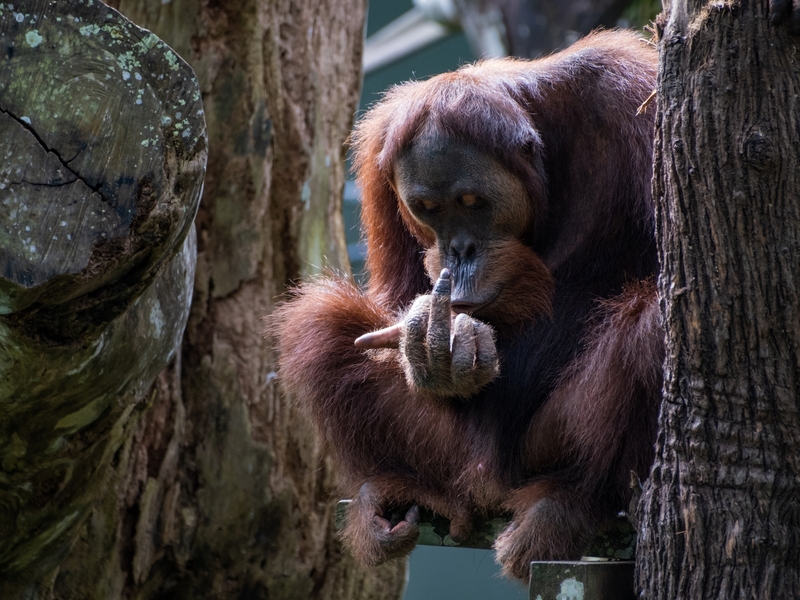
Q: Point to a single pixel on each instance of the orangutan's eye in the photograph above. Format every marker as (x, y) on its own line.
(469, 200)
(424, 206)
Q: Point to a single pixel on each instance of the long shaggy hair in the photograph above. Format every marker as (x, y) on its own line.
(554, 437)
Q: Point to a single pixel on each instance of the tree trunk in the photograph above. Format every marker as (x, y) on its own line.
(721, 510)
(223, 491)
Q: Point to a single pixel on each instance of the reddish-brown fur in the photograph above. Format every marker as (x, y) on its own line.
(553, 439)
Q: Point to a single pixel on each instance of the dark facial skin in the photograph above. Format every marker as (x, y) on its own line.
(472, 204)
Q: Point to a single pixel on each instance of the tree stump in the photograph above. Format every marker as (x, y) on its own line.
(103, 146)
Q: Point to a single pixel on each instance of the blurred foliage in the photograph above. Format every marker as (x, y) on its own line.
(640, 13)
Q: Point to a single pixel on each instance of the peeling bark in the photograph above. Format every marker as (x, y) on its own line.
(721, 510)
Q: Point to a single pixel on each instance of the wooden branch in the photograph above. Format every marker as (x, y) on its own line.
(616, 539)
(102, 156)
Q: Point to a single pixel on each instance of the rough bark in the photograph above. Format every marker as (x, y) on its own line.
(103, 150)
(223, 491)
(721, 510)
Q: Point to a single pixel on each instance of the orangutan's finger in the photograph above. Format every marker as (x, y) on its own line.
(388, 337)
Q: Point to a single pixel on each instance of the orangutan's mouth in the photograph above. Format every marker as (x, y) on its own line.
(472, 308)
